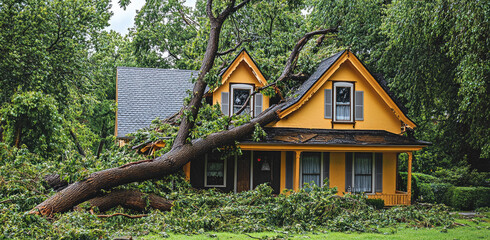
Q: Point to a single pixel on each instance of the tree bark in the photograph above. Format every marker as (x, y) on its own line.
(103, 135)
(1, 131)
(55, 182)
(77, 144)
(131, 199)
(18, 133)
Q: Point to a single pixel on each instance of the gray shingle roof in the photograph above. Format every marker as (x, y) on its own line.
(147, 93)
(336, 137)
(322, 68)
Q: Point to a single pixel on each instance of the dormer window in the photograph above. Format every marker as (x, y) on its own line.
(345, 105)
(239, 95)
(343, 100)
(233, 101)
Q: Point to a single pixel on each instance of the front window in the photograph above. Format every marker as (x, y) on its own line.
(311, 168)
(215, 171)
(343, 102)
(240, 94)
(363, 172)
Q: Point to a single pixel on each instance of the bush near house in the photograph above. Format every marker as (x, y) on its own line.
(469, 198)
(430, 189)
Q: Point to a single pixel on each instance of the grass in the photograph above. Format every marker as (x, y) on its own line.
(473, 229)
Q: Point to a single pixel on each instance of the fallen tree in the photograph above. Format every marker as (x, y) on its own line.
(182, 150)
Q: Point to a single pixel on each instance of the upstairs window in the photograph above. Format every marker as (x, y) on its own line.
(342, 105)
(233, 101)
(239, 95)
(343, 99)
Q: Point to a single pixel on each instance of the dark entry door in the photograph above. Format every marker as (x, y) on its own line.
(266, 169)
(243, 172)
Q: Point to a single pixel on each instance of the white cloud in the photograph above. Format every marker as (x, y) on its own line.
(122, 20)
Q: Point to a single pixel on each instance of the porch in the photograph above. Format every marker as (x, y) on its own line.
(292, 172)
(399, 198)
(291, 169)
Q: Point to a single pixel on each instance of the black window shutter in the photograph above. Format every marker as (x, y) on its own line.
(328, 103)
(326, 167)
(379, 172)
(359, 105)
(348, 172)
(225, 106)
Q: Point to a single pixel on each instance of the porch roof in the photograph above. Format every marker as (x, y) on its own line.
(301, 136)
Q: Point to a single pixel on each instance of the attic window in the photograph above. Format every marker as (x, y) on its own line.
(239, 95)
(343, 102)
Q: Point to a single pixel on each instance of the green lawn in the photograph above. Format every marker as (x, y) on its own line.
(479, 229)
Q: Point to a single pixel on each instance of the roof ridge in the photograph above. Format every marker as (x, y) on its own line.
(305, 87)
(167, 69)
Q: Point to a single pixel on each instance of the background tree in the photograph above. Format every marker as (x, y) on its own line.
(437, 60)
(44, 47)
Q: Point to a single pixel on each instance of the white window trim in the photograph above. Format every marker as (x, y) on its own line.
(334, 102)
(241, 86)
(206, 173)
(321, 170)
(373, 174)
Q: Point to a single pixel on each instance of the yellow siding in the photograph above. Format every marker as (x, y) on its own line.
(389, 173)
(337, 171)
(244, 75)
(377, 114)
(283, 171)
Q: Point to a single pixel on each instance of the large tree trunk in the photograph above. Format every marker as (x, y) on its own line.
(79, 192)
(182, 151)
(131, 199)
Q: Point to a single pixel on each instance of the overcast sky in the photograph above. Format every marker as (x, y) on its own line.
(122, 20)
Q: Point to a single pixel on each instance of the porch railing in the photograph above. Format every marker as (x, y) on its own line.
(399, 198)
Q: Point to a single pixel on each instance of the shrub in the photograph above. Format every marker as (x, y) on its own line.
(463, 176)
(376, 203)
(442, 192)
(469, 198)
(483, 197)
(426, 193)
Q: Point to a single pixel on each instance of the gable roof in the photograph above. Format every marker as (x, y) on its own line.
(144, 94)
(242, 56)
(320, 70)
(329, 66)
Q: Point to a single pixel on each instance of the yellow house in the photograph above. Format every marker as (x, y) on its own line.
(341, 125)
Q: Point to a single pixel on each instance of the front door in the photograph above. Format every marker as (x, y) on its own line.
(243, 172)
(266, 169)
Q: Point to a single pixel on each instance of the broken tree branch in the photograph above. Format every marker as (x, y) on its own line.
(290, 62)
(120, 214)
(234, 48)
(191, 110)
(130, 199)
(77, 144)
